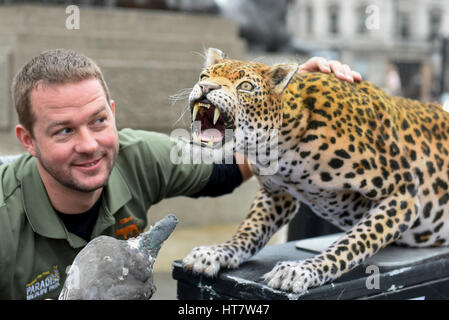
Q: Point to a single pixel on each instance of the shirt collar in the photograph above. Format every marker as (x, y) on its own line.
(38, 209)
(40, 213)
(116, 193)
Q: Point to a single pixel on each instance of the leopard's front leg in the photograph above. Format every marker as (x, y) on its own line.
(267, 214)
(381, 226)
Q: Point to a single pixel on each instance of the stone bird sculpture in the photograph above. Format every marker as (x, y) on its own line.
(111, 269)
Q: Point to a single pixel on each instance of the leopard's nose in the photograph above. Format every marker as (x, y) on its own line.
(207, 87)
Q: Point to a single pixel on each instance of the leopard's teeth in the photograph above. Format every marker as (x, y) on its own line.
(196, 108)
(204, 105)
(195, 137)
(216, 115)
(210, 143)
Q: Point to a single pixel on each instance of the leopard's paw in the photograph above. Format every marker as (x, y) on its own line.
(208, 260)
(293, 276)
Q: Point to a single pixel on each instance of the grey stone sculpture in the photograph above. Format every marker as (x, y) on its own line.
(111, 269)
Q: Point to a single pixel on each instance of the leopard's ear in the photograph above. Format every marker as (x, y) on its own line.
(213, 56)
(281, 74)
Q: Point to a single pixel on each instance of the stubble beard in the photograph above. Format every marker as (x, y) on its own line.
(68, 181)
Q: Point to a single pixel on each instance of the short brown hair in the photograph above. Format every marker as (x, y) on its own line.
(57, 66)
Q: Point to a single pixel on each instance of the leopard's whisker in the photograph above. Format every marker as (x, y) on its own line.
(199, 54)
(185, 109)
(180, 95)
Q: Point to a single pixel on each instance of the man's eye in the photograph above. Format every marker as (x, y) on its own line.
(64, 131)
(100, 120)
(246, 85)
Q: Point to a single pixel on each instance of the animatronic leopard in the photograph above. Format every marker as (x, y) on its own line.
(374, 165)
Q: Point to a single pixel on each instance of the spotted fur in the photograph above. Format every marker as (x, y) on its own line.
(374, 165)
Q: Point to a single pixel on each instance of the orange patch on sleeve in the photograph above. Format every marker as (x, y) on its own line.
(125, 220)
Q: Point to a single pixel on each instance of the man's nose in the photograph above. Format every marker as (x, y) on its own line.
(86, 142)
(207, 87)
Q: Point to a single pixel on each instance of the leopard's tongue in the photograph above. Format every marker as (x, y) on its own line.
(211, 134)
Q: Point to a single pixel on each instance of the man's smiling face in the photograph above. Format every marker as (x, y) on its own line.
(74, 135)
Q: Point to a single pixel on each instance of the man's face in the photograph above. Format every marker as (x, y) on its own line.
(75, 137)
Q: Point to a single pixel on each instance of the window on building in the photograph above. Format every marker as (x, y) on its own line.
(334, 19)
(404, 26)
(309, 19)
(434, 24)
(361, 15)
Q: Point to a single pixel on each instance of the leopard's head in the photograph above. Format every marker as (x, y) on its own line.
(235, 96)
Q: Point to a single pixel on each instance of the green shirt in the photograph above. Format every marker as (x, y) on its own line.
(35, 246)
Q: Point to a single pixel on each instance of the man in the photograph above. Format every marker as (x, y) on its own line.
(81, 177)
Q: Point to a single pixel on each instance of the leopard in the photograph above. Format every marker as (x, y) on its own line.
(373, 164)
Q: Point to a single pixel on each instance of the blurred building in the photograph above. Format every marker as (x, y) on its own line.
(147, 56)
(396, 44)
(181, 5)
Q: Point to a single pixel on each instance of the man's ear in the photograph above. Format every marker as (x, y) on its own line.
(213, 56)
(281, 74)
(25, 139)
(112, 104)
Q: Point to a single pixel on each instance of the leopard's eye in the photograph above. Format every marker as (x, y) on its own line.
(203, 76)
(246, 85)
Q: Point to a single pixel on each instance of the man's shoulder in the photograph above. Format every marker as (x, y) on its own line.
(12, 212)
(130, 137)
(11, 175)
(158, 160)
(145, 143)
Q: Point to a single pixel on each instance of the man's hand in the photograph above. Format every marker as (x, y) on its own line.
(341, 71)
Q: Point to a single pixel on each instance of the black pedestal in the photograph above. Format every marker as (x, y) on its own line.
(403, 273)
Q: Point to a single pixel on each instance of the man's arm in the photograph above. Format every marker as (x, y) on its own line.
(244, 167)
(224, 179)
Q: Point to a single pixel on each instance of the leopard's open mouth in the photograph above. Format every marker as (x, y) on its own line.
(209, 123)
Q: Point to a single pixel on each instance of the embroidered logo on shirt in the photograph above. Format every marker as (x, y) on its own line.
(44, 283)
(130, 230)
